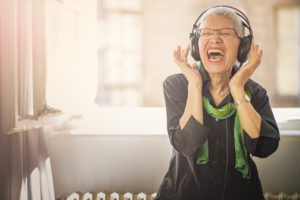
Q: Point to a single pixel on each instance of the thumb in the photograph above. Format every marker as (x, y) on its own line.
(194, 66)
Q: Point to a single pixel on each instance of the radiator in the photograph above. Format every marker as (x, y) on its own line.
(282, 196)
(108, 196)
(144, 196)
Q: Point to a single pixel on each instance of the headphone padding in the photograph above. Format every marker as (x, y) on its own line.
(194, 47)
(244, 48)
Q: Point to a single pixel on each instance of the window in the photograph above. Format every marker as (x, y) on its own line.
(288, 53)
(119, 53)
(71, 54)
(105, 52)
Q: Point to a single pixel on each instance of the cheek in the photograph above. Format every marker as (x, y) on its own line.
(234, 50)
(237, 45)
(237, 49)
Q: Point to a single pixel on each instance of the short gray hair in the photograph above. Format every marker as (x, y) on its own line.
(227, 12)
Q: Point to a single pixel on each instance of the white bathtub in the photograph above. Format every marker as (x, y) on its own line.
(128, 150)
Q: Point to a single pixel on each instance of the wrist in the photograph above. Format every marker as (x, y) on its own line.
(237, 93)
(195, 87)
(244, 99)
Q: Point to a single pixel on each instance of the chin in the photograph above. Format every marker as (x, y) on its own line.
(217, 67)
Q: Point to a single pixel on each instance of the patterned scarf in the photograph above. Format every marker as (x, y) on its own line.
(241, 163)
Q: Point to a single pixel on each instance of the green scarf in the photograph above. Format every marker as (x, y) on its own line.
(241, 163)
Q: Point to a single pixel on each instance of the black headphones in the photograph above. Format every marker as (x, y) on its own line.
(245, 41)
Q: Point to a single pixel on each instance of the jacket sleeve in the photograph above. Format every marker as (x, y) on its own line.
(188, 140)
(268, 139)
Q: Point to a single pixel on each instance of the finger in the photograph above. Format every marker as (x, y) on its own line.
(253, 54)
(250, 53)
(185, 53)
(260, 54)
(253, 49)
(177, 52)
(259, 57)
(256, 50)
(178, 48)
(194, 66)
(256, 61)
(257, 53)
(183, 57)
(176, 57)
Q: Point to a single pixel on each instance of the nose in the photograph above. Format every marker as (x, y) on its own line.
(216, 36)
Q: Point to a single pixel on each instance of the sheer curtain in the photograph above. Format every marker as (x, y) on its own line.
(25, 167)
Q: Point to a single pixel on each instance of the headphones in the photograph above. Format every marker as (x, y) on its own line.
(245, 41)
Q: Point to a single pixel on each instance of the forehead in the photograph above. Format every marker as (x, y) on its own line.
(217, 22)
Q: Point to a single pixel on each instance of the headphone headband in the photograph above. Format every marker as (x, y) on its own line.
(238, 12)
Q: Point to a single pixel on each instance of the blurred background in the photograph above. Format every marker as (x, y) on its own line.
(81, 97)
(118, 52)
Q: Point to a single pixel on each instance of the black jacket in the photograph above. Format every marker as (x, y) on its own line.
(186, 180)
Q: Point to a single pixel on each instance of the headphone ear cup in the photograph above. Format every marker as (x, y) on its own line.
(244, 48)
(194, 47)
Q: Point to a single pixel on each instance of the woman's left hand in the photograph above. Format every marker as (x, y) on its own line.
(240, 78)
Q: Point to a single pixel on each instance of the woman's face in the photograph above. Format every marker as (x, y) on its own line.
(218, 44)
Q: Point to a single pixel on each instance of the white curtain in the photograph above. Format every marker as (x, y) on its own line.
(25, 168)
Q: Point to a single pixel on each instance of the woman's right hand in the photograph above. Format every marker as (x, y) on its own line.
(191, 72)
(193, 105)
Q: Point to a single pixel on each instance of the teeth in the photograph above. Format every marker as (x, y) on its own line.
(215, 55)
(215, 51)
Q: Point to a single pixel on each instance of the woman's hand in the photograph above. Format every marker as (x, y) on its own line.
(193, 105)
(190, 71)
(250, 119)
(238, 81)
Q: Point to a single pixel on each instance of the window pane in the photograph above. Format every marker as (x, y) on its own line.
(119, 53)
(288, 39)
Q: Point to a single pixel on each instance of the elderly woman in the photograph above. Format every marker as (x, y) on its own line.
(217, 116)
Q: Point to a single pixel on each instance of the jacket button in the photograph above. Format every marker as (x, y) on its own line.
(217, 182)
(215, 162)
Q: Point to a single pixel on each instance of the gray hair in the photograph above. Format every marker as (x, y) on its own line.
(231, 15)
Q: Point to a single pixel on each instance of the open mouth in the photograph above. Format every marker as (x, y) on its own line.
(215, 55)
